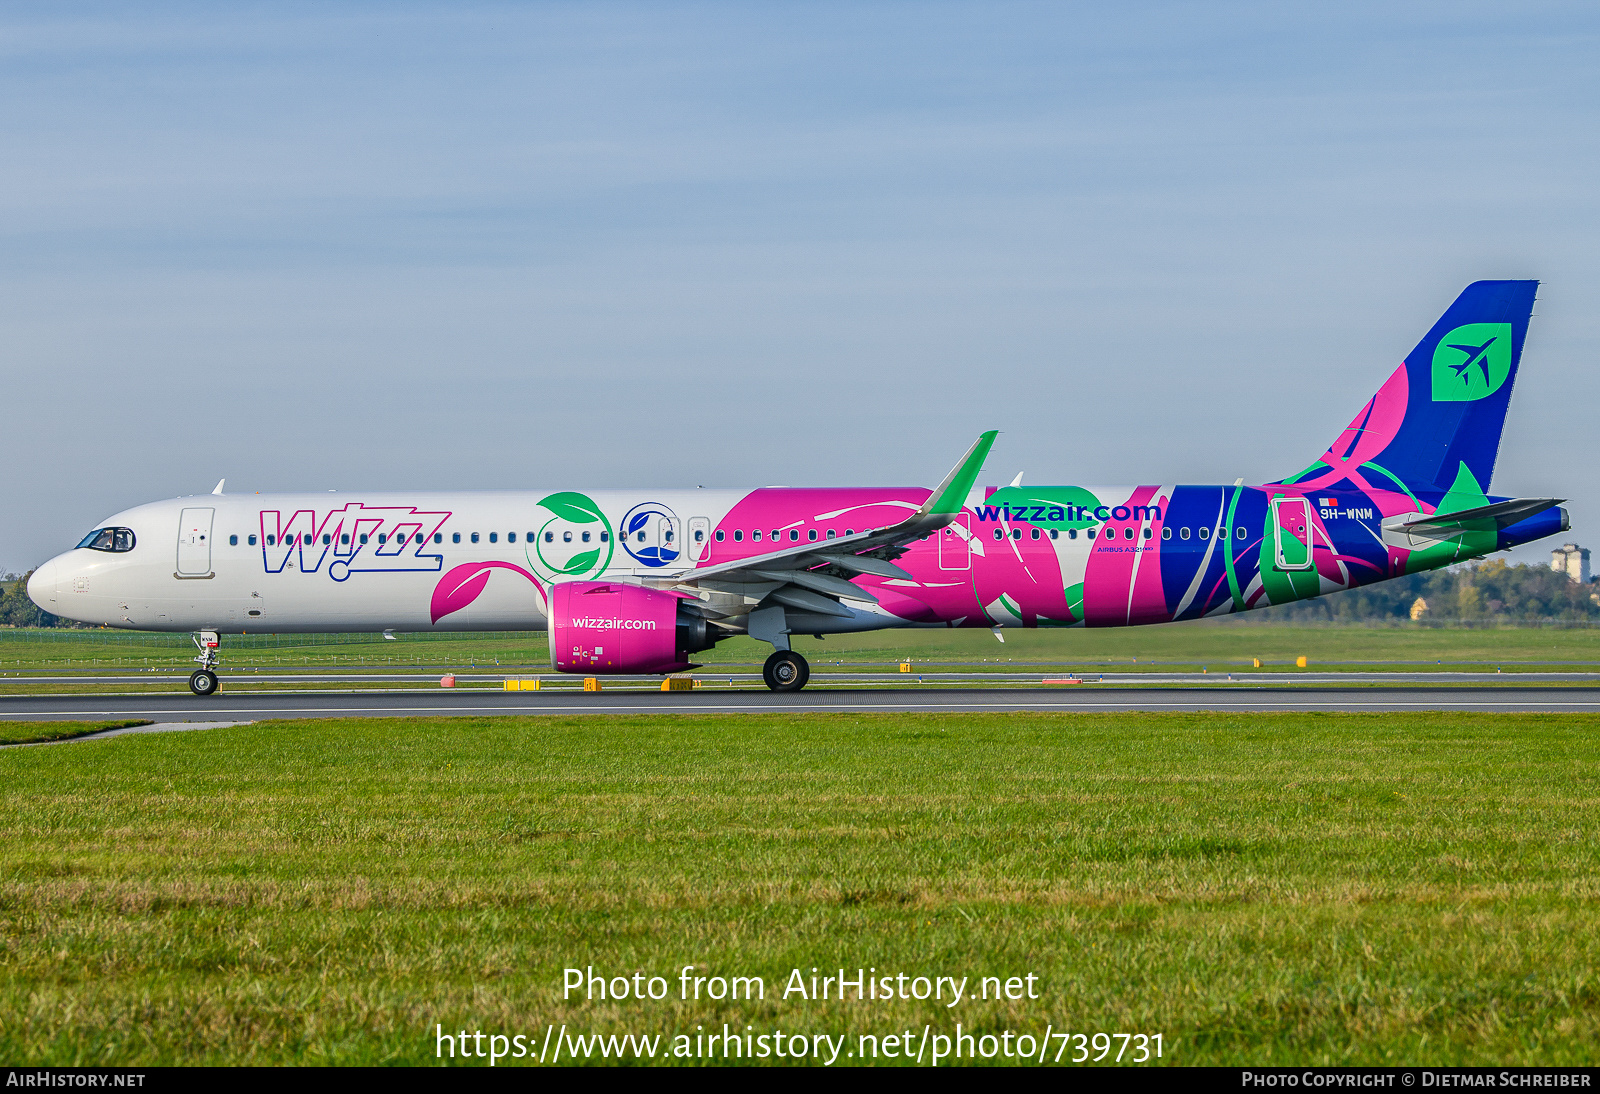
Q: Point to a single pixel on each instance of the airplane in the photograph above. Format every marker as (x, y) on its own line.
(638, 582)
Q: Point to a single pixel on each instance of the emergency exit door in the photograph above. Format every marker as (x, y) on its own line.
(194, 542)
(1291, 518)
(955, 544)
(699, 538)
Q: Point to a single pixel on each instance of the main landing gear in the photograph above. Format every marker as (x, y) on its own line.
(786, 670)
(203, 681)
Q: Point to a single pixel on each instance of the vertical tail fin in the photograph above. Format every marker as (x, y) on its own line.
(1444, 408)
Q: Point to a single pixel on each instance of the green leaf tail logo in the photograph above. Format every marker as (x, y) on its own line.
(1471, 362)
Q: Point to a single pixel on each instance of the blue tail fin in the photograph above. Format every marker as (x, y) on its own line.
(1443, 409)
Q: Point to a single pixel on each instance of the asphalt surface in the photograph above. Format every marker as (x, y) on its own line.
(179, 682)
(416, 703)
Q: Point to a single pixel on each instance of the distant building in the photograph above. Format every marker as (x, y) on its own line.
(1572, 560)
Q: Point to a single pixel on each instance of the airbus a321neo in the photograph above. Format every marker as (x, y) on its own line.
(639, 582)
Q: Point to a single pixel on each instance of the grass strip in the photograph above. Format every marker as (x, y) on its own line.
(1264, 889)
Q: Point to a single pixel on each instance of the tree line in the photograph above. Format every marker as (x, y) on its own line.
(1475, 592)
(16, 610)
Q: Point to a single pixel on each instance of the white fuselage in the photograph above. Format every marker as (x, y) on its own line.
(347, 562)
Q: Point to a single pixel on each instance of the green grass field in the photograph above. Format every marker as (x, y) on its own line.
(1185, 646)
(1289, 889)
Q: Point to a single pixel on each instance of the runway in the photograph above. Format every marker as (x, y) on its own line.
(480, 703)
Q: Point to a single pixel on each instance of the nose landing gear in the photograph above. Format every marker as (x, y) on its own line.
(203, 681)
(786, 670)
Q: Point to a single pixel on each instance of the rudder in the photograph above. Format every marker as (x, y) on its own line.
(1445, 406)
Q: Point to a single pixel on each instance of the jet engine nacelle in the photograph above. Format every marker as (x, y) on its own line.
(603, 627)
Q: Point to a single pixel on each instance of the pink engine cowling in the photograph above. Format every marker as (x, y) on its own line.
(601, 627)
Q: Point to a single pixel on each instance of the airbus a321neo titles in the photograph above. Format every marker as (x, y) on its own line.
(638, 582)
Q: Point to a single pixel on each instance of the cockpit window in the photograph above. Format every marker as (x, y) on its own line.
(109, 539)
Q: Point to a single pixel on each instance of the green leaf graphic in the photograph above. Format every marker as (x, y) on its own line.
(569, 505)
(581, 563)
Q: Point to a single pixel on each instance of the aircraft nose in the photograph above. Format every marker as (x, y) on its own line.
(42, 586)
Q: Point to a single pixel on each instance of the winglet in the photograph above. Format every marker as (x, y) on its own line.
(949, 496)
(218, 490)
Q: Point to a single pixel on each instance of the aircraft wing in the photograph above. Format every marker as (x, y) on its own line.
(815, 576)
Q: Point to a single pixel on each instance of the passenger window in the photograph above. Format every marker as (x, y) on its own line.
(344, 537)
(1036, 533)
(383, 537)
(699, 536)
(250, 540)
(455, 537)
(756, 535)
(362, 537)
(1016, 533)
(549, 537)
(586, 537)
(719, 535)
(494, 537)
(1055, 533)
(641, 536)
(1072, 533)
(605, 537)
(1166, 533)
(566, 537)
(529, 537)
(474, 537)
(849, 531)
(272, 541)
(233, 541)
(1090, 533)
(668, 536)
(1146, 533)
(1205, 533)
(327, 538)
(738, 535)
(1183, 533)
(831, 534)
(1238, 533)
(438, 537)
(1127, 533)
(999, 534)
(794, 534)
(811, 534)
(511, 537)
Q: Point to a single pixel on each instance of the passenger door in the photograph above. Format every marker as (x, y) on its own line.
(194, 542)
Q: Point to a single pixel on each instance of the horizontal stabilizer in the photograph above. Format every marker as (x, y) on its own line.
(1441, 526)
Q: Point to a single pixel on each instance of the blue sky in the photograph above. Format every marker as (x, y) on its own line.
(499, 246)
